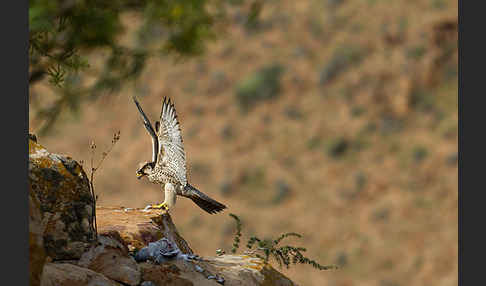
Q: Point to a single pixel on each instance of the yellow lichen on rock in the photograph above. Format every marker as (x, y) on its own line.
(62, 188)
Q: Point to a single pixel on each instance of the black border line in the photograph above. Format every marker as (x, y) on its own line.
(471, 121)
(14, 203)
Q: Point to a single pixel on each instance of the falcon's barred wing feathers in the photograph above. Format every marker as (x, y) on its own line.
(150, 129)
(171, 149)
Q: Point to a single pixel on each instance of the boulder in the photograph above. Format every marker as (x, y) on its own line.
(228, 270)
(65, 274)
(37, 254)
(164, 274)
(110, 258)
(138, 228)
(246, 270)
(62, 188)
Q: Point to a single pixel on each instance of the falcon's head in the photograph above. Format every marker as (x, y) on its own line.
(145, 169)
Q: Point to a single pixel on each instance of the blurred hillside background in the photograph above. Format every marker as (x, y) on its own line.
(336, 119)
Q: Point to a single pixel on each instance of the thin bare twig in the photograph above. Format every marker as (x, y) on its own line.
(115, 139)
(93, 147)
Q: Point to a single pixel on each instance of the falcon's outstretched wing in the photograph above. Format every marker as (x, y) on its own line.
(171, 149)
(150, 129)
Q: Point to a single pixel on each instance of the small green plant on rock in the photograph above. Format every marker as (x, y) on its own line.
(266, 248)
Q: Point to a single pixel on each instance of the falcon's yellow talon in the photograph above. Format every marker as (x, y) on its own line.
(162, 206)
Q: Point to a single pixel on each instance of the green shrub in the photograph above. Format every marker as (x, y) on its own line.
(259, 86)
(343, 57)
(338, 147)
(284, 255)
(419, 153)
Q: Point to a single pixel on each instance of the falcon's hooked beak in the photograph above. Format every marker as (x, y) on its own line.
(139, 175)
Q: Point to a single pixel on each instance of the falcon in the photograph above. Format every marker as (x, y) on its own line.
(168, 165)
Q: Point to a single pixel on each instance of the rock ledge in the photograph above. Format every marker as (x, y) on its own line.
(65, 251)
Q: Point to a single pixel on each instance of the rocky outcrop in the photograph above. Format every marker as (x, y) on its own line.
(62, 188)
(66, 274)
(138, 228)
(133, 246)
(247, 270)
(110, 257)
(37, 254)
(228, 270)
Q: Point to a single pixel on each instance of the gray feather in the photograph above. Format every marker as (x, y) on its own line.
(202, 200)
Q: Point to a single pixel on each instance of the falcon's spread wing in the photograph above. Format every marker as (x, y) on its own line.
(148, 126)
(171, 149)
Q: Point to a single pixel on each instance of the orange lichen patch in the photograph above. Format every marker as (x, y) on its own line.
(34, 147)
(40, 156)
(258, 265)
(243, 261)
(255, 267)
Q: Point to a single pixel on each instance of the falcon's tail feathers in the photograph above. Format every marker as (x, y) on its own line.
(203, 201)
